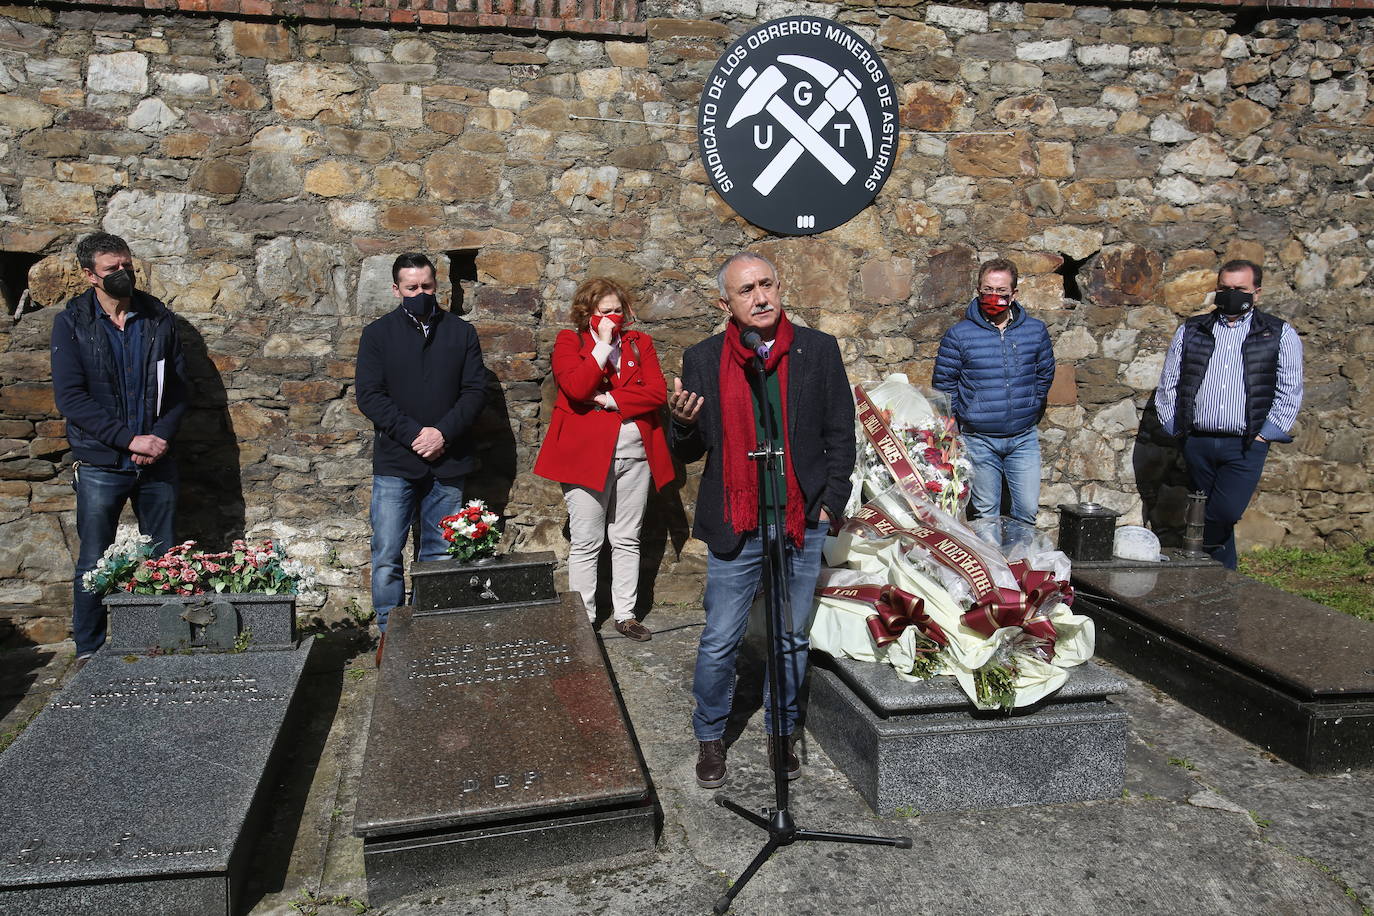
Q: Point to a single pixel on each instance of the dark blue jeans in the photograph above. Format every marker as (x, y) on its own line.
(1014, 459)
(395, 504)
(1228, 473)
(100, 497)
(731, 583)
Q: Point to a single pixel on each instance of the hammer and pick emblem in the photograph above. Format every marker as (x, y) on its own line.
(841, 94)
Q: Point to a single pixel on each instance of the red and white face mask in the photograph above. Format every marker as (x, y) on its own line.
(993, 306)
(617, 321)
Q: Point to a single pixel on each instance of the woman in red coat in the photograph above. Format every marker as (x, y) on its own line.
(605, 442)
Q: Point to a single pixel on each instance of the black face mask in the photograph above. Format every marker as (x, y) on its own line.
(119, 284)
(421, 306)
(1232, 302)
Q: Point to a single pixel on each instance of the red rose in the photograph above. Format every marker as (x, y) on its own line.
(480, 531)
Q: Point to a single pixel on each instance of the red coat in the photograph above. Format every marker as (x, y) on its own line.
(580, 443)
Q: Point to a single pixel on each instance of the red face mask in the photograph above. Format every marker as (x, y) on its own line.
(994, 306)
(617, 321)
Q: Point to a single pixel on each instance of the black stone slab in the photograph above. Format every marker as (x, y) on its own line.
(517, 578)
(922, 746)
(136, 621)
(1292, 676)
(139, 787)
(1174, 558)
(497, 748)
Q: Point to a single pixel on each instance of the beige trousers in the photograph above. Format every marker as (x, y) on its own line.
(617, 510)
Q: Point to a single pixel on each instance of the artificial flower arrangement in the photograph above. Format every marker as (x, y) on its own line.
(471, 533)
(262, 567)
(921, 426)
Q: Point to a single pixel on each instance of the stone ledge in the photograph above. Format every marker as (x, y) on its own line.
(497, 14)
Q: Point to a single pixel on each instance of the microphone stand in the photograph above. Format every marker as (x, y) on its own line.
(777, 821)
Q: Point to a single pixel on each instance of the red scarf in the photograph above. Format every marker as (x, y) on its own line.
(737, 424)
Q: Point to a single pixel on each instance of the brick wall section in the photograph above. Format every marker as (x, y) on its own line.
(584, 17)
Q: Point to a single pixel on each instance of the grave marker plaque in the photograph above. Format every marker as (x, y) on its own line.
(1293, 676)
(138, 788)
(443, 586)
(498, 747)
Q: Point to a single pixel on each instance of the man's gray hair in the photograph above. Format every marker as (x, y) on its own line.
(735, 259)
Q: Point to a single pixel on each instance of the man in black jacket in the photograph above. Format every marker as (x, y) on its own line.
(421, 382)
(717, 413)
(119, 380)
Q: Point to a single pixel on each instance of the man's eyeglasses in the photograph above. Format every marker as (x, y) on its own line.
(994, 291)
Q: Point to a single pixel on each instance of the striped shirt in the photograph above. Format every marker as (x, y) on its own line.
(1220, 403)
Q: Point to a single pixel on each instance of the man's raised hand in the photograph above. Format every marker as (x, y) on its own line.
(683, 404)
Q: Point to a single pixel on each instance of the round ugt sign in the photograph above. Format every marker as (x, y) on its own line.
(797, 125)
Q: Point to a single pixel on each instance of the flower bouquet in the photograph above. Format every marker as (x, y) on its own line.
(246, 568)
(471, 533)
(901, 425)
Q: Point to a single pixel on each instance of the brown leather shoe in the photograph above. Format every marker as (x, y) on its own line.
(711, 764)
(633, 629)
(793, 764)
(381, 644)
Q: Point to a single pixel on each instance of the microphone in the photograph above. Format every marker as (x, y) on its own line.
(753, 340)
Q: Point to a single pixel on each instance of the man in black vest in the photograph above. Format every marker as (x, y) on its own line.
(118, 378)
(1232, 384)
(421, 382)
(717, 414)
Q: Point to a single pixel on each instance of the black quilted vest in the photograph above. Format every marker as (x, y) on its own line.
(1261, 357)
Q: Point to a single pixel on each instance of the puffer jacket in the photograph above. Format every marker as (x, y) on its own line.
(997, 380)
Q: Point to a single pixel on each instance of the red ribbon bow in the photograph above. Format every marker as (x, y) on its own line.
(895, 610)
(1026, 608)
(1042, 589)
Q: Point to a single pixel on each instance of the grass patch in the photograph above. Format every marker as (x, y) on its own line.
(1342, 579)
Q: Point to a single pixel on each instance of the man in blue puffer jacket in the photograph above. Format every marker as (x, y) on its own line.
(118, 378)
(996, 366)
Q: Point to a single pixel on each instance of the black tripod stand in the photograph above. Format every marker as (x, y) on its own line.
(777, 821)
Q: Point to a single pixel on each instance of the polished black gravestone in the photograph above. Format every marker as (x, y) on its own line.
(1292, 676)
(498, 748)
(921, 745)
(446, 585)
(139, 787)
(215, 621)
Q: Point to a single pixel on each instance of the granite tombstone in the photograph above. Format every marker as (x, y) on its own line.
(1293, 676)
(442, 586)
(139, 787)
(497, 748)
(922, 746)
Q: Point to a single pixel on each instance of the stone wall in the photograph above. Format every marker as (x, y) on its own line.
(267, 171)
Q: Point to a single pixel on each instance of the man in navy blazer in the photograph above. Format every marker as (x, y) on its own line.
(421, 382)
(716, 413)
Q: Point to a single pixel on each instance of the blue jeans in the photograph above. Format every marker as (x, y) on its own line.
(731, 583)
(100, 497)
(1014, 459)
(395, 502)
(1228, 474)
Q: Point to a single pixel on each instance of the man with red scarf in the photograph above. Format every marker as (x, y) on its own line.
(716, 413)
